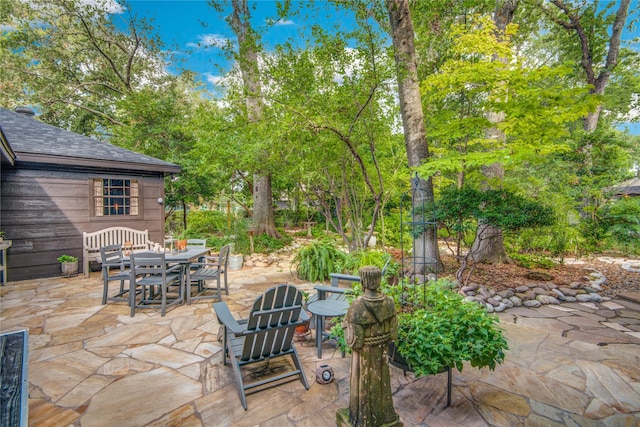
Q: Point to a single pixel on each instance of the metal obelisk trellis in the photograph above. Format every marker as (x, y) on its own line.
(418, 218)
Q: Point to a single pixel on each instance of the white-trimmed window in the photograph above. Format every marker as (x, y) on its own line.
(115, 196)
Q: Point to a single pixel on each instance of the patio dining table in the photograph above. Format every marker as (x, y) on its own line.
(184, 258)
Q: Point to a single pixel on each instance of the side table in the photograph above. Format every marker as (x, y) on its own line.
(322, 309)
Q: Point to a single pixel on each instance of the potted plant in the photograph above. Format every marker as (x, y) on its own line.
(69, 264)
(438, 329)
(303, 329)
(1, 236)
(181, 242)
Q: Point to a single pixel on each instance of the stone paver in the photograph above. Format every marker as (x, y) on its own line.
(94, 365)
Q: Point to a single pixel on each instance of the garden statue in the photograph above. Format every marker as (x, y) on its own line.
(370, 324)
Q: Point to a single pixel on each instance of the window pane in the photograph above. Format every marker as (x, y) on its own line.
(115, 197)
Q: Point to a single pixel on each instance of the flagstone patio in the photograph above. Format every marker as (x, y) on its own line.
(94, 365)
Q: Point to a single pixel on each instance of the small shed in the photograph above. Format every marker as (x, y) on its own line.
(628, 188)
(57, 184)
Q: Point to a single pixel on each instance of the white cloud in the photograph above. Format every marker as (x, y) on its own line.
(109, 6)
(284, 22)
(215, 80)
(205, 40)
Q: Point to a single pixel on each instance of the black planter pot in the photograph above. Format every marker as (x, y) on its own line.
(397, 360)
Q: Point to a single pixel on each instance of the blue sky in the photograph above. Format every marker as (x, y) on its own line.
(192, 30)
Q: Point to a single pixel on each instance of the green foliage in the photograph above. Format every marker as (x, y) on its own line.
(558, 240)
(500, 208)
(512, 212)
(537, 106)
(73, 62)
(617, 226)
(206, 222)
(216, 242)
(437, 329)
(337, 333)
(213, 226)
(391, 234)
(358, 259)
(267, 244)
(317, 260)
(441, 330)
(67, 258)
(532, 260)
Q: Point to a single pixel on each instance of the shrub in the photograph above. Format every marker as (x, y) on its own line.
(532, 261)
(268, 244)
(206, 223)
(317, 260)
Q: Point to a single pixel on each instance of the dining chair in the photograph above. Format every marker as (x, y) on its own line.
(196, 243)
(113, 270)
(149, 273)
(208, 269)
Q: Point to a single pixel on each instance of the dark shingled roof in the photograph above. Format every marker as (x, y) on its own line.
(35, 141)
(630, 187)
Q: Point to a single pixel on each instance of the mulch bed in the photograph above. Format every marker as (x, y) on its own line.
(505, 276)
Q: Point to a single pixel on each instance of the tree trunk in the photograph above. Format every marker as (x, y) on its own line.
(415, 134)
(248, 60)
(426, 251)
(489, 246)
(263, 206)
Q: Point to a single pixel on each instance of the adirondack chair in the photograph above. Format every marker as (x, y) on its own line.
(334, 292)
(266, 334)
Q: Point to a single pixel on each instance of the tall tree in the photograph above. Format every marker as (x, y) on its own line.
(488, 246)
(536, 105)
(335, 98)
(589, 25)
(69, 59)
(248, 48)
(413, 123)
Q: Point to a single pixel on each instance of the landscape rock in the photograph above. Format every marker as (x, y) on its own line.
(595, 297)
(583, 298)
(559, 294)
(517, 302)
(500, 308)
(507, 293)
(532, 303)
(494, 302)
(568, 292)
(546, 299)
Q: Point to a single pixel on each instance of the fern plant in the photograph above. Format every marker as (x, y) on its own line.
(316, 261)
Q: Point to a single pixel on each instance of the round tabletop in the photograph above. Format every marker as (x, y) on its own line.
(328, 308)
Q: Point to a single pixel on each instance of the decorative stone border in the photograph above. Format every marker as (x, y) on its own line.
(536, 294)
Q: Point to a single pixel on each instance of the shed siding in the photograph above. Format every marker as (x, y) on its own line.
(45, 212)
